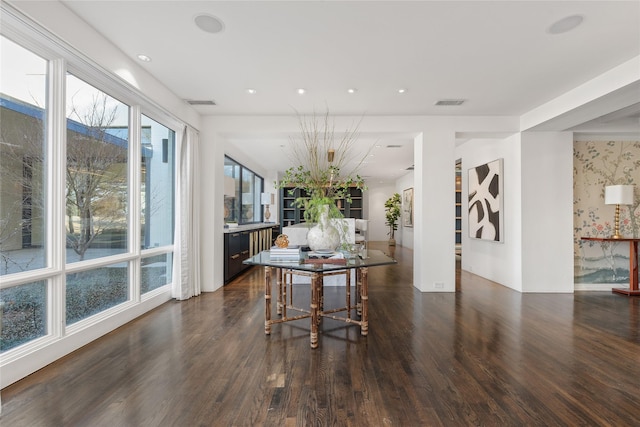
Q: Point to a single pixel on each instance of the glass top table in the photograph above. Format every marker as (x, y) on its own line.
(317, 269)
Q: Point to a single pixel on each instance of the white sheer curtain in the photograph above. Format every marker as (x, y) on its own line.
(186, 260)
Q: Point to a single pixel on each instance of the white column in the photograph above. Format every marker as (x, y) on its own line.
(211, 211)
(547, 211)
(434, 201)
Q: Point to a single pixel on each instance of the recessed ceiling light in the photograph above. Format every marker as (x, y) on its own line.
(402, 90)
(208, 23)
(144, 58)
(251, 91)
(566, 24)
(301, 91)
(352, 90)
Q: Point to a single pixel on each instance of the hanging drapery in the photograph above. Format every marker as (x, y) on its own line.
(186, 260)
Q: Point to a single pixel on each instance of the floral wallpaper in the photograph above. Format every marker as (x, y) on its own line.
(597, 164)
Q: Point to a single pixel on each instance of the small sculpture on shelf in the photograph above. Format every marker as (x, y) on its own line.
(282, 241)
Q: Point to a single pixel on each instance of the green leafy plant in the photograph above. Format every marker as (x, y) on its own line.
(392, 213)
(322, 156)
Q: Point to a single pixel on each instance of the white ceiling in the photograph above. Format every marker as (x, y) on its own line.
(496, 55)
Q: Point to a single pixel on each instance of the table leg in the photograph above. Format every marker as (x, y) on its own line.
(283, 279)
(280, 292)
(358, 291)
(348, 293)
(267, 300)
(364, 327)
(633, 272)
(320, 297)
(315, 294)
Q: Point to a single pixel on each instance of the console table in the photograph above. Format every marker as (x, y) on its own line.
(633, 263)
(317, 270)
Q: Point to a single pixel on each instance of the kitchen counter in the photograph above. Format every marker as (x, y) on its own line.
(250, 227)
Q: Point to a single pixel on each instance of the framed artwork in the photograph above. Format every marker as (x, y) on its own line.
(485, 202)
(407, 207)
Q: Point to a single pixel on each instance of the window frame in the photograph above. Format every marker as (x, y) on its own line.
(239, 194)
(62, 59)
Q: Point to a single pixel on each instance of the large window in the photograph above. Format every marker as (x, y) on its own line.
(157, 177)
(156, 271)
(24, 314)
(23, 113)
(93, 291)
(96, 170)
(87, 217)
(23, 242)
(242, 191)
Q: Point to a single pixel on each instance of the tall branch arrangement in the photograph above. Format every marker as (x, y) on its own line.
(321, 155)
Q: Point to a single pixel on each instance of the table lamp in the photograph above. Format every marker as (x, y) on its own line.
(266, 199)
(618, 195)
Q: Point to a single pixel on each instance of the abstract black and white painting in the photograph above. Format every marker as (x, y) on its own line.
(485, 201)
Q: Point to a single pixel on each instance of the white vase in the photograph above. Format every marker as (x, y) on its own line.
(323, 236)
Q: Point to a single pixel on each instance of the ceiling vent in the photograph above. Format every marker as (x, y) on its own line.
(394, 146)
(449, 102)
(200, 102)
(410, 168)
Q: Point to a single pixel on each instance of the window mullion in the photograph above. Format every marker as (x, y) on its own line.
(135, 198)
(56, 197)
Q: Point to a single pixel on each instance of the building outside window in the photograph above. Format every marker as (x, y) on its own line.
(23, 197)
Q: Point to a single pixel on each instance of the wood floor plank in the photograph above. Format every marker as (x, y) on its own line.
(486, 355)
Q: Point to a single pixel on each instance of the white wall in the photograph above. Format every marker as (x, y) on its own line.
(211, 208)
(378, 194)
(499, 262)
(547, 212)
(536, 254)
(434, 201)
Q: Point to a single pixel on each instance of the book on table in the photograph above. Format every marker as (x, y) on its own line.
(290, 253)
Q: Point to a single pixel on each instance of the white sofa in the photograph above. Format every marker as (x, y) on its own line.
(297, 234)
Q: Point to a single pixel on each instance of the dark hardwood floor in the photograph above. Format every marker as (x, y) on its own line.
(483, 356)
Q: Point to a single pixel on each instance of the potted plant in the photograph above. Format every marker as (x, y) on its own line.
(392, 214)
(322, 156)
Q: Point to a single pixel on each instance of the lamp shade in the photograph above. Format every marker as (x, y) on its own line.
(229, 186)
(618, 195)
(266, 198)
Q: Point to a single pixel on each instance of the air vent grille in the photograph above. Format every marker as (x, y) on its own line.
(410, 168)
(449, 102)
(394, 146)
(200, 102)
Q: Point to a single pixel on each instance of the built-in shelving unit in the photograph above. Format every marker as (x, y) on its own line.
(290, 214)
